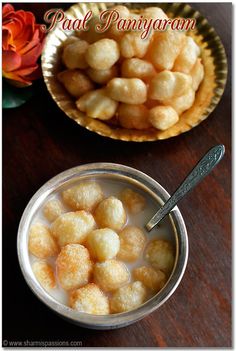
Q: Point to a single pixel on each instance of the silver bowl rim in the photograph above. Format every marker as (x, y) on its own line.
(113, 320)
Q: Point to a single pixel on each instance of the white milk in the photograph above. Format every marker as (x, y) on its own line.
(113, 188)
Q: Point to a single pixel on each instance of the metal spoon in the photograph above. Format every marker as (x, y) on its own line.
(202, 169)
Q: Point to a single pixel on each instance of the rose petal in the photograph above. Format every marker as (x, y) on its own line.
(31, 56)
(15, 26)
(30, 19)
(6, 38)
(29, 46)
(10, 61)
(25, 71)
(7, 9)
(27, 18)
(25, 75)
(24, 35)
(17, 78)
(34, 41)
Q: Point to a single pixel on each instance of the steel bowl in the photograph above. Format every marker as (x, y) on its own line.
(113, 172)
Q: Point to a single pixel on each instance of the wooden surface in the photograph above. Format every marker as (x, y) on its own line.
(39, 141)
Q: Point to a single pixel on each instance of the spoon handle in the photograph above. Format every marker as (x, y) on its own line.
(200, 171)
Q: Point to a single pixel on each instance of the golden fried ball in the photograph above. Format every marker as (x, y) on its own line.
(167, 85)
(165, 48)
(72, 227)
(69, 40)
(89, 299)
(197, 74)
(154, 280)
(74, 54)
(133, 200)
(133, 116)
(110, 213)
(112, 31)
(163, 117)
(132, 45)
(103, 244)
(92, 35)
(73, 266)
(183, 102)
(160, 254)
(102, 76)
(44, 274)
(102, 54)
(75, 82)
(111, 274)
(132, 242)
(187, 57)
(97, 104)
(154, 13)
(131, 91)
(128, 297)
(137, 68)
(52, 210)
(84, 196)
(41, 243)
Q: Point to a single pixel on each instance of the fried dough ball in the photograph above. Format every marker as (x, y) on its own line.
(89, 299)
(153, 280)
(132, 241)
(74, 54)
(73, 266)
(72, 227)
(165, 48)
(133, 16)
(111, 274)
(197, 74)
(122, 10)
(154, 13)
(187, 57)
(91, 35)
(84, 196)
(132, 45)
(113, 32)
(128, 90)
(103, 244)
(163, 117)
(182, 103)
(133, 200)
(41, 243)
(133, 116)
(137, 68)
(160, 254)
(44, 274)
(102, 76)
(75, 82)
(97, 104)
(110, 213)
(52, 210)
(128, 297)
(102, 54)
(168, 85)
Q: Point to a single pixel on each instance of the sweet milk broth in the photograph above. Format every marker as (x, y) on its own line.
(113, 188)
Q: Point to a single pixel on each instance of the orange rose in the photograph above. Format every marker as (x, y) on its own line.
(22, 42)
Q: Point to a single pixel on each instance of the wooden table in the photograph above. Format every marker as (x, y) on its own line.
(39, 141)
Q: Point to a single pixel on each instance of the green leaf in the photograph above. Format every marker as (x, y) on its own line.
(13, 97)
